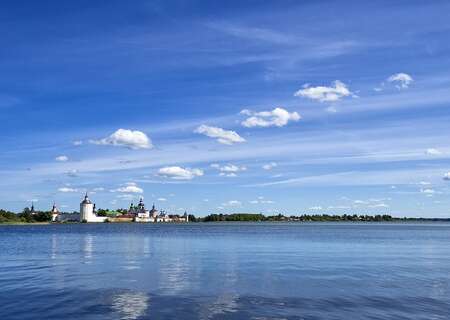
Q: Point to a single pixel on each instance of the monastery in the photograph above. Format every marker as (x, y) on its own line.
(138, 213)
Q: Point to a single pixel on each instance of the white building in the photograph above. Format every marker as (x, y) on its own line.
(87, 213)
(55, 213)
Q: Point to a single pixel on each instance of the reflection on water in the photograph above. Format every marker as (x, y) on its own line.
(88, 247)
(130, 305)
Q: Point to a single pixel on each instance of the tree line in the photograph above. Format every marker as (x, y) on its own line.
(26, 216)
(307, 218)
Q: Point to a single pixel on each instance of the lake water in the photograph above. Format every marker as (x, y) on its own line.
(225, 271)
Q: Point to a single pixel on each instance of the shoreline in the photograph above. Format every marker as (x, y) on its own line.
(399, 221)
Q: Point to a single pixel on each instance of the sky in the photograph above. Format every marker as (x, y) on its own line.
(227, 106)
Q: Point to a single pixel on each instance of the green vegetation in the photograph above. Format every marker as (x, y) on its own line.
(110, 213)
(26, 216)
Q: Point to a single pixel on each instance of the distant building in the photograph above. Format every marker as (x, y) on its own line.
(55, 213)
(32, 211)
(87, 211)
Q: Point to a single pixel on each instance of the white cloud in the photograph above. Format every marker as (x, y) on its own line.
(402, 80)
(269, 166)
(67, 189)
(261, 200)
(130, 187)
(232, 203)
(447, 176)
(62, 158)
(227, 137)
(77, 143)
(323, 93)
(98, 189)
(161, 199)
(428, 191)
(126, 138)
(278, 117)
(433, 152)
(179, 173)
(317, 208)
(229, 175)
(229, 168)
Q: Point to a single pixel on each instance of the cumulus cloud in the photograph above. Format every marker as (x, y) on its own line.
(269, 166)
(179, 173)
(77, 143)
(401, 80)
(335, 92)
(126, 138)
(433, 152)
(278, 117)
(62, 158)
(227, 137)
(67, 189)
(130, 187)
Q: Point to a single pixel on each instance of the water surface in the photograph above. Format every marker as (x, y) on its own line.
(225, 271)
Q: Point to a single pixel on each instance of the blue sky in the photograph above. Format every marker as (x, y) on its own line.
(236, 106)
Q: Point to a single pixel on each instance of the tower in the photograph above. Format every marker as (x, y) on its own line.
(141, 205)
(86, 209)
(54, 212)
(32, 211)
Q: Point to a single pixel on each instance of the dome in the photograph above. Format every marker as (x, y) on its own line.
(86, 200)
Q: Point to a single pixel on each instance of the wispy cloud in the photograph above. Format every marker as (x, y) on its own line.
(227, 137)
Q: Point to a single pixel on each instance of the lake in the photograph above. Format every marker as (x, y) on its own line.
(225, 271)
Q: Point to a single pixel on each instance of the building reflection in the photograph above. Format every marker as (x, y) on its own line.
(88, 248)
